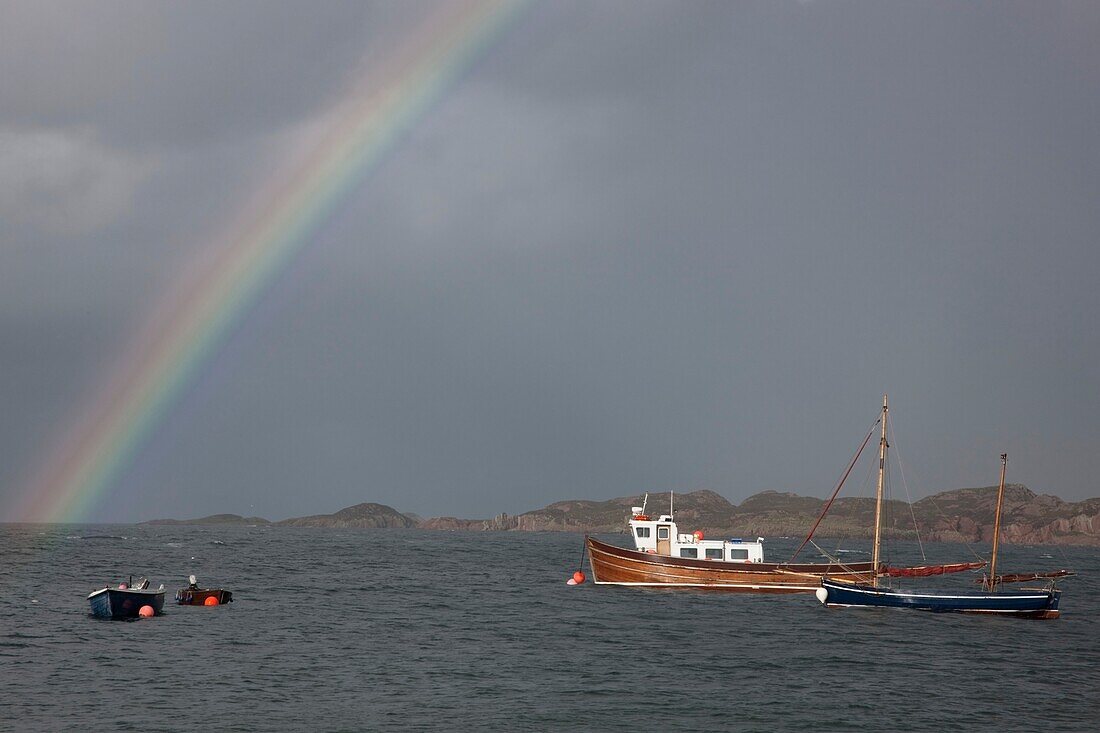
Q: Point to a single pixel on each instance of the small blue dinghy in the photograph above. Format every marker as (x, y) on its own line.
(125, 601)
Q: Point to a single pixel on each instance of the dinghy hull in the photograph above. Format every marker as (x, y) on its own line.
(117, 603)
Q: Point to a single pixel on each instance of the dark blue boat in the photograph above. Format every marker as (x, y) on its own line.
(1024, 603)
(123, 603)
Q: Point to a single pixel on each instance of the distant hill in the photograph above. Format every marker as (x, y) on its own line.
(213, 519)
(961, 515)
(365, 515)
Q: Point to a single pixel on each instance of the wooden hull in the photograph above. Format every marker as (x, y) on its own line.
(1022, 604)
(198, 596)
(122, 604)
(612, 565)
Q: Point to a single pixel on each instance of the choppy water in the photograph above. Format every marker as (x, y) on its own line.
(416, 630)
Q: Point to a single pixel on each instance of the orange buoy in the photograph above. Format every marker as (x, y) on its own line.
(210, 601)
(698, 534)
(579, 577)
(146, 611)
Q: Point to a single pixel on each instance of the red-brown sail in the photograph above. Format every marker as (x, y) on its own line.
(1024, 577)
(923, 571)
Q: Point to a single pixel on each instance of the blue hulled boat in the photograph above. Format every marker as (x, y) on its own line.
(1024, 603)
(125, 602)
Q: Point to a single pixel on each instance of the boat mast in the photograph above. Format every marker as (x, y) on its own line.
(878, 496)
(997, 525)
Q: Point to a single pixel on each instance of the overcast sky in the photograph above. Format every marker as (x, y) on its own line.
(638, 246)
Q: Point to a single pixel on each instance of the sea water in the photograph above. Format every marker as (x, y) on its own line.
(417, 630)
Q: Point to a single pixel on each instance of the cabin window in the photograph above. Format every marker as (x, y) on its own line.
(662, 533)
(642, 531)
(714, 553)
(689, 552)
(739, 554)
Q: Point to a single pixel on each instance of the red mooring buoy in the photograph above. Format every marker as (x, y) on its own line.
(578, 577)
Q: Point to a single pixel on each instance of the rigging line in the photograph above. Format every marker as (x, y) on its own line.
(887, 514)
(947, 518)
(863, 491)
(1063, 554)
(834, 560)
(827, 556)
(901, 471)
(837, 490)
(944, 516)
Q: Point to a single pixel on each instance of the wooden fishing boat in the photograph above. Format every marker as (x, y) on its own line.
(1040, 603)
(126, 600)
(613, 565)
(663, 557)
(193, 595)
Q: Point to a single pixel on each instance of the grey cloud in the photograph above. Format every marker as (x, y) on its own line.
(636, 247)
(64, 181)
(157, 73)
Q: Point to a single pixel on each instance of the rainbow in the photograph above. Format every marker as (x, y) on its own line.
(190, 324)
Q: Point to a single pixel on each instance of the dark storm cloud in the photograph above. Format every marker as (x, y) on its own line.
(640, 246)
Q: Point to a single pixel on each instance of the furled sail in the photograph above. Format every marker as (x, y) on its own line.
(923, 571)
(1024, 577)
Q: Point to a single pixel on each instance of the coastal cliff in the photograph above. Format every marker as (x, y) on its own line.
(961, 515)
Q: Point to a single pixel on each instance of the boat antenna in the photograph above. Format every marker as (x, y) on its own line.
(997, 525)
(671, 496)
(644, 500)
(878, 496)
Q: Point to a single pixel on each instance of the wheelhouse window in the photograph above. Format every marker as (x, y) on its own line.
(739, 554)
(689, 552)
(714, 553)
(642, 531)
(662, 533)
